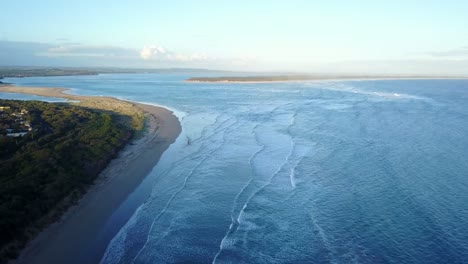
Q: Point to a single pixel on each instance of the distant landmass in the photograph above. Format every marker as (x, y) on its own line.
(210, 75)
(6, 72)
(19, 72)
(289, 78)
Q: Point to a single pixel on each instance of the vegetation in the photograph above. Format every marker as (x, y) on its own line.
(48, 169)
(38, 71)
(66, 71)
(128, 113)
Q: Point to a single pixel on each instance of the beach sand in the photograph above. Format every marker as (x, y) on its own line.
(68, 240)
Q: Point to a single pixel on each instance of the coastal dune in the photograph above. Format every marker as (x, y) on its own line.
(69, 239)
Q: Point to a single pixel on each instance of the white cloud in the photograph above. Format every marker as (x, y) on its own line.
(87, 51)
(153, 51)
(83, 55)
(156, 52)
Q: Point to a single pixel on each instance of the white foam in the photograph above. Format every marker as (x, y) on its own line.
(116, 247)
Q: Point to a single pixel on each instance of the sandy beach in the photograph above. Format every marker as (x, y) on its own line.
(68, 240)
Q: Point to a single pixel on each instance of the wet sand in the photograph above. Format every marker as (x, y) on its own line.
(68, 240)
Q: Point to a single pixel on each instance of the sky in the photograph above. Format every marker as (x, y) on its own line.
(366, 37)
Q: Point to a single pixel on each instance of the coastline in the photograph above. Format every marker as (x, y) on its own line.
(68, 240)
(235, 80)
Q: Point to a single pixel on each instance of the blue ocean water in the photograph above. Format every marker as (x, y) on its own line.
(303, 172)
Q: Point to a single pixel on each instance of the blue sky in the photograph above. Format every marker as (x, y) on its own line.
(309, 36)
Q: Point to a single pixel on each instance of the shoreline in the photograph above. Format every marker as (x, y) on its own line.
(68, 239)
(227, 80)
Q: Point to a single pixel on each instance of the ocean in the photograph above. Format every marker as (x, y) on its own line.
(370, 171)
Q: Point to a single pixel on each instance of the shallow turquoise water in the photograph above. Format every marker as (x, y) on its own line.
(307, 172)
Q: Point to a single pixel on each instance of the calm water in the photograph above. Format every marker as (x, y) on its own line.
(324, 172)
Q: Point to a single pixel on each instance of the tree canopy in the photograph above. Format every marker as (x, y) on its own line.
(45, 171)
